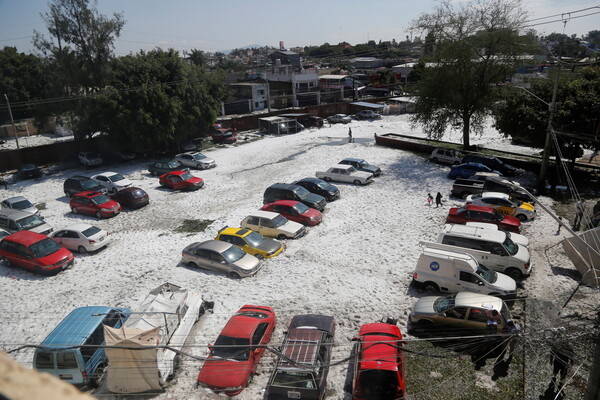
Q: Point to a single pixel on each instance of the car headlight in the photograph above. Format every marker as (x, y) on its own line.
(105, 209)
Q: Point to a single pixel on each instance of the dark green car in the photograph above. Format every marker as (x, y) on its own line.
(161, 167)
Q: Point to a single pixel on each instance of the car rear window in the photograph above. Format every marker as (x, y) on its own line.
(100, 199)
(44, 360)
(92, 230)
(66, 360)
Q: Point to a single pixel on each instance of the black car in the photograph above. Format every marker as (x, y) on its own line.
(131, 197)
(494, 163)
(78, 183)
(29, 171)
(285, 191)
(165, 166)
(320, 187)
(362, 165)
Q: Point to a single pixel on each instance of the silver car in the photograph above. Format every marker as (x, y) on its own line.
(220, 256)
(20, 203)
(195, 159)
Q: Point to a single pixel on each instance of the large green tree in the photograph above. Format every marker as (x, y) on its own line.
(157, 100)
(476, 45)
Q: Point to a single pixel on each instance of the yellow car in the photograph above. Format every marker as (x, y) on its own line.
(251, 242)
(504, 205)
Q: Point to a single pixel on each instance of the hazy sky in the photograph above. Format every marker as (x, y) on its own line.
(212, 25)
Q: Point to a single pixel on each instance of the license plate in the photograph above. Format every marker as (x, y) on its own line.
(293, 395)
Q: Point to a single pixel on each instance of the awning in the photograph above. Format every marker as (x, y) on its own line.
(584, 259)
(366, 104)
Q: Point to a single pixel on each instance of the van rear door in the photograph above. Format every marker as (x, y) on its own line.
(66, 365)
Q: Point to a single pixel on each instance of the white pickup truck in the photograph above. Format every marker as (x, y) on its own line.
(345, 173)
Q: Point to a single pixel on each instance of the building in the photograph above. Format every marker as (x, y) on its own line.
(286, 57)
(246, 97)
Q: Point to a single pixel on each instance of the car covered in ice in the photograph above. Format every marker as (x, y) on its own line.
(131, 197)
(112, 181)
(367, 114)
(319, 186)
(162, 167)
(90, 158)
(272, 224)
(195, 159)
(362, 165)
(339, 119)
(235, 355)
(81, 237)
(181, 180)
(474, 213)
(502, 203)
(94, 203)
(467, 170)
(251, 242)
(295, 211)
(345, 173)
(220, 256)
(35, 252)
(20, 203)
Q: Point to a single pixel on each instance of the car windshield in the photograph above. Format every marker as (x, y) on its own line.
(30, 222)
(475, 196)
(302, 192)
(363, 163)
(499, 216)
(301, 208)
(116, 178)
(511, 246)
(231, 348)
(88, 184)
(294, 379)
(233, 254)
(21, 204)
(173, 164)
(487, 274)
(443, 303)
(279, 220)
(254, 239)
(100, 199)
(185, 176)
(199, 156)
(44, 248)
(91, 231)
(324, 185)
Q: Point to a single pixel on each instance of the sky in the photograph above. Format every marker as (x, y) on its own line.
(211, 25)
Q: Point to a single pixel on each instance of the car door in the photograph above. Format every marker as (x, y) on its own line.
(202, 258)
(253, 223)
(259, 337)
(71, 240)
(267, 228)
(59, 237)
(25, 257)
(218, 262)
(453, 318)
(498, 256)
(476, 319)
(468, 281)
(103, 181)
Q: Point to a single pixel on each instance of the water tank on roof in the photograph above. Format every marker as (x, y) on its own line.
(278, 62)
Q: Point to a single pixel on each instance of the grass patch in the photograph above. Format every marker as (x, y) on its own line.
(41, 206)
(193, 225)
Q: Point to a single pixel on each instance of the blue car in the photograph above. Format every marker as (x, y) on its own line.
(467, 170)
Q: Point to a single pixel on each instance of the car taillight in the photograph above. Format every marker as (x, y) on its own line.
(526, 265)
(415, 275)
(84, 375)
(91, 241)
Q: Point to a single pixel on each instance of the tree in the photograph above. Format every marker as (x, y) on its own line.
(476, 47)
(80, 48)
(157, 101)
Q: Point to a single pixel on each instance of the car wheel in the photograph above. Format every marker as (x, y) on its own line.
(82, 249)
(95, 379)
(192, 264)
(522, 217)
(74, 210)
(259, 256)
(6, 262)
(114, 190)
(431, 287)
(98, 215)
(38, 271)
(281, 237)
(435, 160)
(356, 182)
(327, 179)
(67, 194)
(514, 273)
(234, 275)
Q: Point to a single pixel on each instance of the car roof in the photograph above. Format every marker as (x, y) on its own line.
(382, 354)
(311, 180)
(9, 212)
(214, 245)
(474, 207)
(470, 299)
(89, 194)
(241, 232)
(80, 227)
(106, 173)
(176, 173)
(342, 166)
(79, 177)
(14, 199)
(263, 214)
(474, 231)
(26, 238)
(496, 195)
(240, 325)
(353, 159)
(289, 203)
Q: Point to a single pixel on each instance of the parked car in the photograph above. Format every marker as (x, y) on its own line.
(74, 351)
(35, 252)
(251, 242)
(379, 369)
(220, 256)
(320, 187)
(301, 371)
(77, 184)
(29, 171)
(295, 211)
(493, 163)
(467, 170)
(367, 114)
(307, 120)
(473, 213)
(195, 159)
(457, 314)
(131, 197)
(222, 135)
(20, 203)
(165, 166)
(515, 237)
(446, 156)
(90, 158)
(235, 355)
(285, 191)
(112, 181)
(274, 225)
(181, 180)
(17, 220)
(362, 165)
(94, 203)
(345, 173)
(339, 118)
(81, 237)
(502, 203)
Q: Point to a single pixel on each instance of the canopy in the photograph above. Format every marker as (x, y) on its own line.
(585, 260)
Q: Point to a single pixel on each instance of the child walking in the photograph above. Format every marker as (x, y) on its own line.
(429, 199)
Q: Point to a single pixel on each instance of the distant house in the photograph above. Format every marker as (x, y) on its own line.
(364, 63)
(246, 97)
(285, 57)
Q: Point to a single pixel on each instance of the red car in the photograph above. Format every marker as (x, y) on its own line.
(379, 363)
(236, 353)
(295, 211)
(94, 203)
(35, 252)
(181, 180)
(473, 213)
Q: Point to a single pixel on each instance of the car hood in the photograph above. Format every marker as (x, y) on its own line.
(312, 213)
(371, 168)
(291, 227)
(505, 283)
(247, 262)
(123, 183)
(519, 239)
(523, 254)
(362, 174)
(56, 257)
(313, 198)
(425, 305)
(193, 181)
(527, 207)
(220, 374)
(269, 245)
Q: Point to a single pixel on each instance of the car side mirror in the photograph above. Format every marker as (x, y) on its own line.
(480, 283)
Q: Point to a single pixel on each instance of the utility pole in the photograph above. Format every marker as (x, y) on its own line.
(549, 133)
(12, 121)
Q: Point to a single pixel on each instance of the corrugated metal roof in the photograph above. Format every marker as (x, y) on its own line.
(368, 105)
(332, 76)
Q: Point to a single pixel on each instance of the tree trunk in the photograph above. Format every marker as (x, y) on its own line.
(466, 126)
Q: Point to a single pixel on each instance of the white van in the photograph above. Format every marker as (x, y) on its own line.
(515, 237)
(452, 271)
(494, 249)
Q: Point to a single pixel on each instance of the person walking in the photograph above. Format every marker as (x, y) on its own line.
(350, 140)
(438, 200)
(579, 211)
(559, 226)
(561, 358)
(429, 199)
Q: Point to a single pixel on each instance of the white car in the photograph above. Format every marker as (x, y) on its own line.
(367, 114)
(446, 156)
(90, 158)
(272, 224)
(195, 159)
(112, 181)
(81, 237)
(339, 118)
(502, 203)
(345, 173)
(20, 203)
